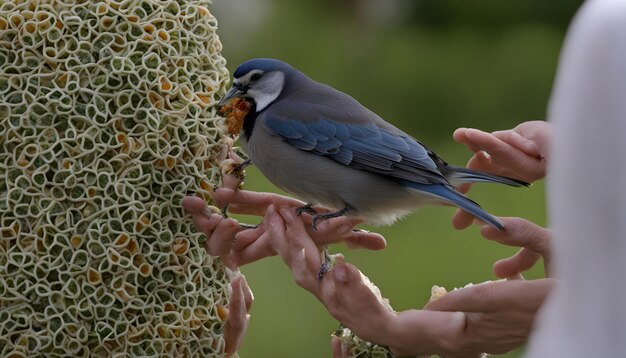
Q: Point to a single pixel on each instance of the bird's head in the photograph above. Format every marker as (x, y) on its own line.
(261, 80)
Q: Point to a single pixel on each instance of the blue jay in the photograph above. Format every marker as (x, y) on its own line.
(321, 145)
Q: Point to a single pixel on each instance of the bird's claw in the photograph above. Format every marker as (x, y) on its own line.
(325, 216)
(238, 170)
(225, 211)
(308, 208)
(244, 226)
(326, 264)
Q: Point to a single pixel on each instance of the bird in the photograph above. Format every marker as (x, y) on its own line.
(324, 147)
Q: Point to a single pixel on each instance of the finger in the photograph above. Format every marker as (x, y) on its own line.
(491, 296)
(242, 201)
(236, 323)
(256, 251)
(206, 224)
(366, 240)
(304, 254)
(248, 296)
(246, 237)
(522, 261)
(230, 181)
(352, 291)
(502, 153)
(328, 231)
(337, 348)
(353, 294)
(250, 202)
(482, 161)
(272, 241)
(462, 219)
(221, 240)
(341, 229)
(520, 233)
(193, 204)
(460, 136)
(516, 140)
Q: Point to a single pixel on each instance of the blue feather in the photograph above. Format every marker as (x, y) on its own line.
(343, 156)
(342, 133)
(449, 195)
(394, 142)
(361, 146)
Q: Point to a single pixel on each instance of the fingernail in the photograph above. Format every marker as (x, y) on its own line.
(340, 272)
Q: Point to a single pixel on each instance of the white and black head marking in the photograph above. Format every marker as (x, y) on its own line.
(261, 80)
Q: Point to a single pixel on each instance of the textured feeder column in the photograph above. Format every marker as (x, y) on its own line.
(107, 119)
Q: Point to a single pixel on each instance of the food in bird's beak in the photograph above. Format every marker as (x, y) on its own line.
(235, 112)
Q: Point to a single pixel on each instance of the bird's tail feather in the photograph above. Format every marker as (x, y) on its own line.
(449, 195)
(458, 175)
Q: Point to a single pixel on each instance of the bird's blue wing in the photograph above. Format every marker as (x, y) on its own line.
(361, 146)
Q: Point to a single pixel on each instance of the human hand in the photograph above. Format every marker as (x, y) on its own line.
(237, 320)
(343, 290)
(534, 240)
(521, 153)
(237, 247)
(328, 231)
(351, 299)
(497, 316)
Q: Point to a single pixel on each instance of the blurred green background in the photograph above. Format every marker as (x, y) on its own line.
(429, 67)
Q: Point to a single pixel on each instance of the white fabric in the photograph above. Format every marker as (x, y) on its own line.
(586, 316)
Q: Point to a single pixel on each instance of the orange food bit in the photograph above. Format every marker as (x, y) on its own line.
(203, 11)
(170, 162)
(206, 186)
(222, 312)
(166, 85)
(30, 27)
(180, 246)
(102, 9)
(145, 269)
(149, 28)
(133, 246)
(76, 241)
(22, 162)
(144, 220)
(204, 99)
(122, 239)
(235, 112)
(163, 35)
(93, 276)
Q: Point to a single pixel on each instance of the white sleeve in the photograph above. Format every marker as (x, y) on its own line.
(586, 315)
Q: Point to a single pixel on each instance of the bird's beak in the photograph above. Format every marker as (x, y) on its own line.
(233, 92)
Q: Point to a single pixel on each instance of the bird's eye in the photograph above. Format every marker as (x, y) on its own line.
(255, 76)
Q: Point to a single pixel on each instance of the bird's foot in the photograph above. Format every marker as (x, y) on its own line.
(244, 226)
(325, 216)
(238, 169)
(308, 208)
(327, 264)
(225, 211)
